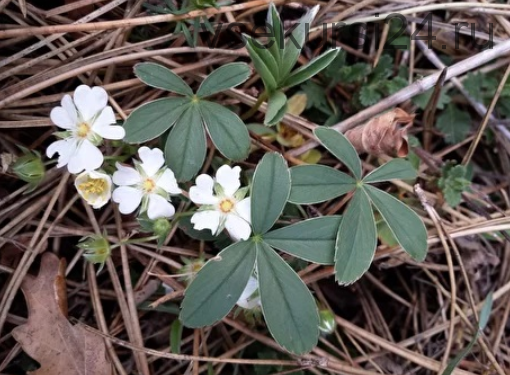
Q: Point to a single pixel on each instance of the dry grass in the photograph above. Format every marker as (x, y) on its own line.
(401, 318)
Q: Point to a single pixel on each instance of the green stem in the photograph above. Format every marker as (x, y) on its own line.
(256, 106)
(135, 241)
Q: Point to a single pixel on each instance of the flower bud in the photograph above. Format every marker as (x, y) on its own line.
(29, 168)
(161, 227)
(97, 249)
(327, 323)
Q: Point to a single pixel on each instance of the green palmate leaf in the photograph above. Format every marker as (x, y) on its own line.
(484, 318)
(454, 124)
(394, 169)
(186, 145)
(312, 240)
(288, 306)
(318, 183)
(227, 130)
(296, 40)
(338, 145)
(277, 34)
(176, 336)
(160, 77)
(270, 191)
(406, 225)
(453, 182)
(218, 285)
(276, 108)
(312, 68)
(369, 95)
(356, 240)
(264, 63)
(224, 78)
(152, 119)
(422, 100)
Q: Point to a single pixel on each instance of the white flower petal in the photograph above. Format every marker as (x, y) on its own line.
(159, 207)
(243, 209)
(152, 160)
(87, 156)
(60, 117)
(128, 198)
(68, 104)
(126, 176)
(90, 101)
(228, 178)
(66, 148)
(103, 125)
(237, 227)
(202, 192)
(168, 183)
(206, 220)
(244, 300)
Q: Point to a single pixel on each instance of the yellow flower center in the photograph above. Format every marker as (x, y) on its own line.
(149, 185)
(83, 130)
(226, 205)
(93, 186)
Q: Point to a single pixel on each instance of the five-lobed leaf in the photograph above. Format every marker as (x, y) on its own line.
(224, 78)
(152, 119)
(336, 143)
(270, 192)
(318, 183)
(312, 240)
(289, 309)
(404, 223)
(356, 240)
(158, 76)
(218, 285)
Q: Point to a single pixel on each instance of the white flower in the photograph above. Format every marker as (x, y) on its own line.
(249, 298)
(95, 187)
(86, 120)
(223, 203)
(150, 184)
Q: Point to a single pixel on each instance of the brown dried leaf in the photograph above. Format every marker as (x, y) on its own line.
(48, 337)
(383, 135)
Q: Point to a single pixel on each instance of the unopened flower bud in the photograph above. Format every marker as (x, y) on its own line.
(29, 168)
(97, 249)
(327, 323)
(161, 227)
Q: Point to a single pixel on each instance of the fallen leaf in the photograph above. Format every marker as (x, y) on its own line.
(384, 135)
(48, 337)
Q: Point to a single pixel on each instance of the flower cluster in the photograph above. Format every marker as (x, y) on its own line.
(148, 185)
